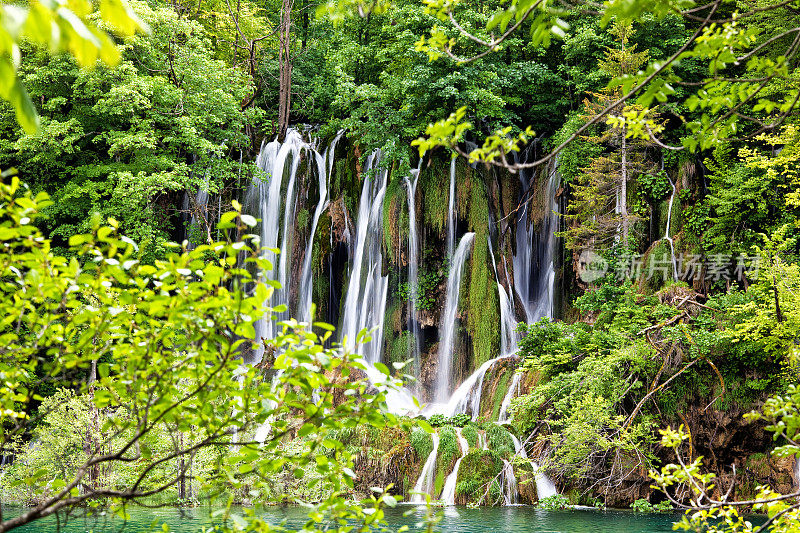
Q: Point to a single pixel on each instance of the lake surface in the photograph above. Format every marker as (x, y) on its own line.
(521, 519)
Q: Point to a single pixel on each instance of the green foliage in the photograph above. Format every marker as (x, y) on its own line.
(458, 420)
(499, 440)
(482, 299)
(427, 283)
(59, 25)
(710, 513)
(422, 442)
(112, 141)
(152, 355)
(478, 477)
(470, 432)
(655, 185)
(643, 506)
(556, 502)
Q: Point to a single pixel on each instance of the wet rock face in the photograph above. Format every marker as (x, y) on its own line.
(341, 222)
(427, 375)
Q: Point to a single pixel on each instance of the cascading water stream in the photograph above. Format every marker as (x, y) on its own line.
(502, 416)
(306, 288)
(365, 300)
(534, 267)
(667, 237)
(544, 485)
(267, 201)
(425, 482)
(449, 490)
(451, 213)
(413, 267)
(508, 482)
(467, 396)
(447, 323)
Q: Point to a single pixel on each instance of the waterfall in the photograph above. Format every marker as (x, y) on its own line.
(467, 396)
(447, 322)
(667, 236)
(267, 201)
(508, 482)
(508, 325)
(502, 416)
(544, 485)
(365, 301)
(424, 484)
(324, 170)
(534, 270)
(449, 490)
(413, 267)
(451, 213)
(199, 211)
(797, 471)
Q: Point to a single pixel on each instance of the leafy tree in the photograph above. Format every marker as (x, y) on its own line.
(599, 211)
(155, 356)
(711, 508)
(119, 141)
(58, 25)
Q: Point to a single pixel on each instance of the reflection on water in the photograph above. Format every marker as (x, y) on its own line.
(518, 519)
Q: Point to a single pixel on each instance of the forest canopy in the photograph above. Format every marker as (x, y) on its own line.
(249, 247)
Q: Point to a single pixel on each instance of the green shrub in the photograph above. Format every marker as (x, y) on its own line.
(556, 502)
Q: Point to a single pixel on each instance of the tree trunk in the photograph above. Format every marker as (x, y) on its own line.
(285, 62)
(623, 189)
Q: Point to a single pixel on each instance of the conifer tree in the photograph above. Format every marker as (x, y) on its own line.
(599, 213)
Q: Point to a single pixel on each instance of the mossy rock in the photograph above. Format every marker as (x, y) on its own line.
(449, 452)
(478, 478)
(422, 442)
(499, 440)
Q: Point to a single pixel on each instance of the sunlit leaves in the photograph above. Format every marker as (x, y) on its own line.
(448, 132)
(339, 10)
(59, 25)
(631, 10)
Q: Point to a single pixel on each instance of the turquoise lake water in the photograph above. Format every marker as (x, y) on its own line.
(520, 519)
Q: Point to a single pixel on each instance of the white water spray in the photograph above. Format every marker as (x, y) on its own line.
(366, 291)
(513, 389)
(413, 266)
(544, 485)
(324, 169)
(268, 203)
(447, 323)
(535, 280)
(451, 213)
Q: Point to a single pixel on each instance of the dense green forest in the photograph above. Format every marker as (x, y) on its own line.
(453, 252)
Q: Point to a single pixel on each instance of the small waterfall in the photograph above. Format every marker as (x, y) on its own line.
(451, 213)
(508, 325)
(265, 198)
(199, 210)
(413, 267)
(502, 416)
(667, 236)
(797, 471)
(427, 477)
(449, 490)
(544, 485)
(534, 269)
(508, 482)
(324, 170)
(467, 397)
(365, 301)
(447, 324)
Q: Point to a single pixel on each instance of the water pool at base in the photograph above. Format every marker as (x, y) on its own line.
(518, 519)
